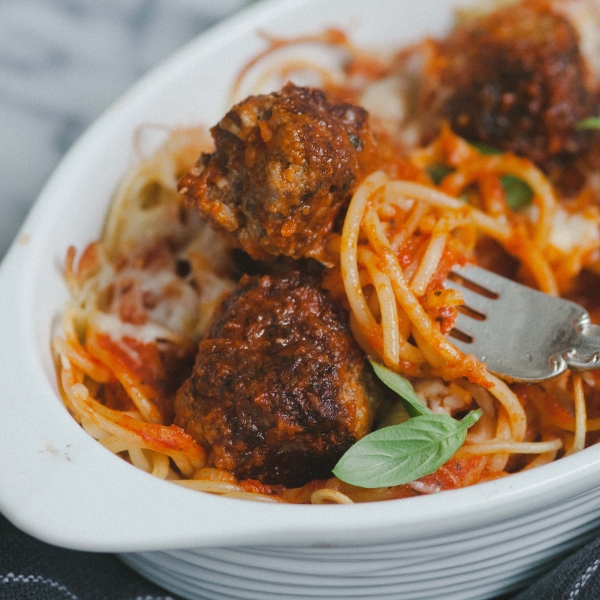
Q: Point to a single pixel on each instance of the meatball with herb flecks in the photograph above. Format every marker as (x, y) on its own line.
(284, 166)
(280, 389)
(516, 79)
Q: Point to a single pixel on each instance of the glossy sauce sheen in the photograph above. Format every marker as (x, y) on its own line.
(280, 389)
(515, 80)
(283, 167)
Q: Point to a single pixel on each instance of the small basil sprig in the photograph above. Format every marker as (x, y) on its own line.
(589, 123)
(437, 172)
(412, 403)
(485, 149)
(405, 452)
(517, 192)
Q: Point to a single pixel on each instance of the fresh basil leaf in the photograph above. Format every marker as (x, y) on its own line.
(393, 414)
(518, 193)
(589, 123)
(485, 149)
(438, 172)
(403, 388)
(402, 453)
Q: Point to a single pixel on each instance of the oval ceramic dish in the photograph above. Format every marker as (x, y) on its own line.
(61, 486)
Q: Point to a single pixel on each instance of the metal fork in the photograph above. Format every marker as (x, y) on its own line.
(520, 333)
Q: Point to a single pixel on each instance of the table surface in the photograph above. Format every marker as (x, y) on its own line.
(62, 62)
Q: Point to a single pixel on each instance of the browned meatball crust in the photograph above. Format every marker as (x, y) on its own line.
(280, 389)
(283, 167)
(515, 80)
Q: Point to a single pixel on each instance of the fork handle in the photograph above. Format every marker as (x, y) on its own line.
(586, 354)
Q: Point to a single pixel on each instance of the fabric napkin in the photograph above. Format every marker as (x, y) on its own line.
(577, 577)
(33, 570)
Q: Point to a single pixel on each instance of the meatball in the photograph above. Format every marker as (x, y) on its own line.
(279, 390)
(283, 167)
(514, 79)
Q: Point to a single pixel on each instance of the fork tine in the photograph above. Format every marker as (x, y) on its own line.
(471, 336)
(471, 332)
(473, 300)
(482, 278)
(525, 333)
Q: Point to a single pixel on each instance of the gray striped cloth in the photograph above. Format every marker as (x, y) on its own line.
(62, 62)
(33, 570)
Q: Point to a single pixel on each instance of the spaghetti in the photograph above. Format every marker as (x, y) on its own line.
(143, 295)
